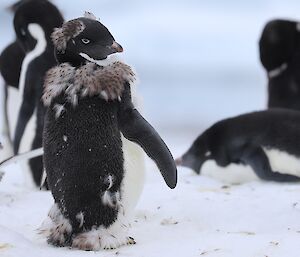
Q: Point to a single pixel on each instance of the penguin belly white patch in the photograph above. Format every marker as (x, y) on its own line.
(283, 162)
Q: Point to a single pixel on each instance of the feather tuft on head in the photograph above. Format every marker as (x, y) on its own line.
(90, 15)
(69, 29)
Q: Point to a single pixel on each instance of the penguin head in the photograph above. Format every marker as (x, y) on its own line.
(84, 39)
(197, 154)
(279, 42)
(13, 8)
(35, 20)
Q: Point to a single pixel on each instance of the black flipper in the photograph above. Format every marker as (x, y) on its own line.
(258, 160)
(135, 128)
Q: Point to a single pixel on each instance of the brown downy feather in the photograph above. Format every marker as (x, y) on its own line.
(86, 81)
(61, 36)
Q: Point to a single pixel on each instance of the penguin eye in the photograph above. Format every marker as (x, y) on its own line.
(85, 41)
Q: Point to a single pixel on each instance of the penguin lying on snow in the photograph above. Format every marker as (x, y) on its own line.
(279, 47)
(267, 141)
(89, 111)
(34, 22)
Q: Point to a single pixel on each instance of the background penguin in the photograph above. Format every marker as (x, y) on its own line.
(84, 153)
(11, 60)
(267, 141)
(34, 22)
(279, 47)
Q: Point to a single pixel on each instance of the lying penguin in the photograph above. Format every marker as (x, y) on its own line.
(33, 29)
(265, 140)
(279, 47)
(89, 111)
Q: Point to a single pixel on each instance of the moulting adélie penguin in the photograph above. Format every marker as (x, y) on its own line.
(94, 176)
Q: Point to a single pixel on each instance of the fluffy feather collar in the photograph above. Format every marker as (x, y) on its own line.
(87, 80)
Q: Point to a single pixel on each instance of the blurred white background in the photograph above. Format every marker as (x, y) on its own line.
(197, 60)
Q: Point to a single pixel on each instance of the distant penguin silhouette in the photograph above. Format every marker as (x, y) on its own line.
(279, 47)
(34, 22)
(11, 59)
(93, 176)
(267, 141)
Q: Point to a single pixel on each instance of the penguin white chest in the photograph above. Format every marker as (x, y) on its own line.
(283, 162)
(38, 33)
(134, 174)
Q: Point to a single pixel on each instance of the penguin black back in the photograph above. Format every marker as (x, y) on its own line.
(10, 64)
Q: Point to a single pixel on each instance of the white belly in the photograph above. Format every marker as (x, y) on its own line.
(36, 32)
(134, 165)
(280, 161)
(232, 174)
(134, 168)
(283, 162)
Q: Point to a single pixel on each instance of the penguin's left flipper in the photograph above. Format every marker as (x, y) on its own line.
(258, 160)
(135, 128)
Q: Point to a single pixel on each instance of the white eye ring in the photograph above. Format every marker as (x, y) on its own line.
(85, 41)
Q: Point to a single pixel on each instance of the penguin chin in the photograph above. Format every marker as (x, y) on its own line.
(110, 59)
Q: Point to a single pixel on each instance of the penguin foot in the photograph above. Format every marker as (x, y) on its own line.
(56, 228)
(101, 238)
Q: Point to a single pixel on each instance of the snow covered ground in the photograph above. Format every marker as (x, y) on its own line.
(201, 217)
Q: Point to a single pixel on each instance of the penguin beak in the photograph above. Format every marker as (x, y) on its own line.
(190, 161)
(116, 48)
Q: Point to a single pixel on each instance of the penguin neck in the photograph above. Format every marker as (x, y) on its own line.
(110, 59)
(74, 61)
(40, 47)
(38, 34)
(81, 59)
